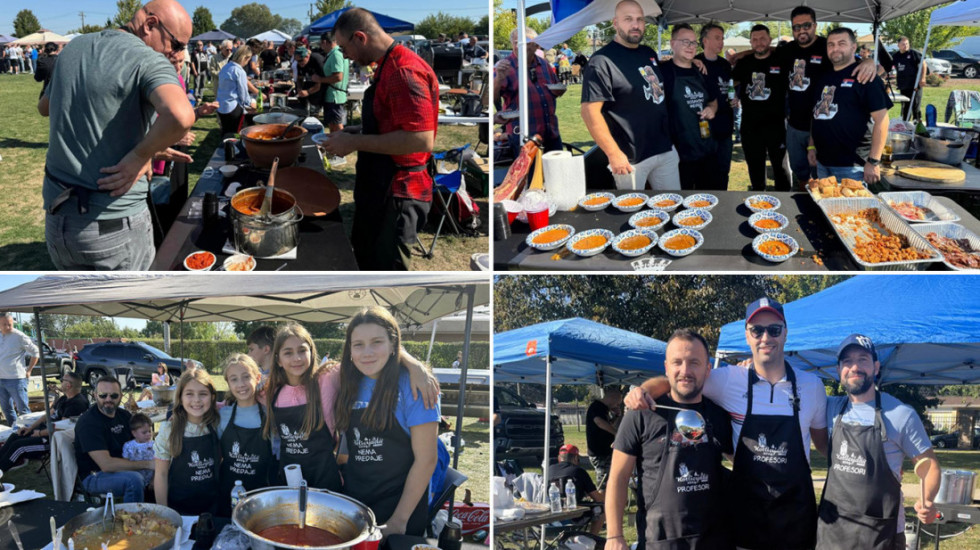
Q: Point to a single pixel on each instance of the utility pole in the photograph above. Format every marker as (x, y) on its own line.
(311, 13)
(82, 15)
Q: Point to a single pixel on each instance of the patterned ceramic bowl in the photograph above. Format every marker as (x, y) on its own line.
(780, 237)
(758, 203)
(689, 215)
(630, 198)
(651, 220)
(634, 233)
(579, 238)
(539, 241)
(666, 237)
(668, 202)
(782, 220)
(704, 201)
(601, 200)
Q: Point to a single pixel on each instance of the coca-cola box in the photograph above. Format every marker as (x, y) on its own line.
(474, 517)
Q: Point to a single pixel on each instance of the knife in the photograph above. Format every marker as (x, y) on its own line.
(15, 534)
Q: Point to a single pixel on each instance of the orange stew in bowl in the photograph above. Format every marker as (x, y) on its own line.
(635, 242)
(680, 242)
(550, 236)
(693, 220)
(596, 201)
(700, 204)
(767, 224)
(590, 242)
(665, 203)
(775, 248)
(648, 221)
(762, 205)
(632, 201)
(200, 260)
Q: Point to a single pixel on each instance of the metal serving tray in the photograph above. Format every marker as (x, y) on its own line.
(952, 231)
(890, 221)
(936, 212)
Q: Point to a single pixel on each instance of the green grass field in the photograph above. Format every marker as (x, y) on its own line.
(24, 142)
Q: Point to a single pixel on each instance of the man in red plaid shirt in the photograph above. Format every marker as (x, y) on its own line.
(399, 114)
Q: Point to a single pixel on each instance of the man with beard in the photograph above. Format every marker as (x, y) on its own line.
(775, 411)
(719, 73)
(681, 481)
(842, 142)
(624, 107)
(871, 432)
(907, 63)
(100, 434)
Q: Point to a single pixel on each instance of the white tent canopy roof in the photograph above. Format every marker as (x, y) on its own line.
(276, 36)
(414, 299)
(965, 14)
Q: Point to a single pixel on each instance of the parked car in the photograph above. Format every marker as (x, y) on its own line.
(57, 362)
(976, 437)
(962, 63)
(939, 66)
(95, 360)
(946, 441)
(518, 429)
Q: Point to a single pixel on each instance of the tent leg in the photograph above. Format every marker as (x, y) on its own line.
(547, 436)
(49, 425)
(470, 297)
(432, 340)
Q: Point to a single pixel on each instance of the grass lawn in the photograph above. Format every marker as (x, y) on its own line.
(24, 142)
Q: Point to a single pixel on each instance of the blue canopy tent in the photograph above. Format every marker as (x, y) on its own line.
(574, 351)
(327, 22)
(926, 327)
(216, 35)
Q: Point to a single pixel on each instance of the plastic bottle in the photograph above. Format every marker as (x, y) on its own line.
(731, 90)
(705, 129)
(237, 493)
(258, 103)
(570, 499)
(554, 497)
(931, 115)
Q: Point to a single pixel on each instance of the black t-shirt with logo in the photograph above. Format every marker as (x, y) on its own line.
(629, 82)
(906, 68)
(65, 408)
(842, 121)
(95, 431)
(688, 92)
(314, 67)
(762, 91)
(720, 71)
(268, 58)
(803, 67)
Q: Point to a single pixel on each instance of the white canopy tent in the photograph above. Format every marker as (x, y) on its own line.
(960, 14)
(275, 36)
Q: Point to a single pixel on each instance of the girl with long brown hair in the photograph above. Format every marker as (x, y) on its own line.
(187, 449)
(391, 435)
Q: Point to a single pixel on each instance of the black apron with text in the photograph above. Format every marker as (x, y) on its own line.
(688, 511)
(862, 497)
(246, 456)
(772, 498)
(685, 122)
(377, 468)
(313, 454)
(192, 481)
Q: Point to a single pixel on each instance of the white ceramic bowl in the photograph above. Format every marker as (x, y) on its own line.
(596, 207)
(762, 198)
(661, 216)
(712, 201)
(781, 219)
(244, 260)
(228, 170)
(633, 233)
(628, 209)
(782, 237)
(698, 241)
(678, 200)
(695, 213)
(211, 255)
(553, 244)
(570, 245)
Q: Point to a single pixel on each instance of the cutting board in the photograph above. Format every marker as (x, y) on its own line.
(927, 170)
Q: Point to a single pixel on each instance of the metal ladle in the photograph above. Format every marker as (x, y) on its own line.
(303, 490)
(282, 136)
(690, 424)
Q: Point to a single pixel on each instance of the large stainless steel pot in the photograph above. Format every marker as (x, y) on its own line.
(956, 487)
(275, 117)
(900, 143)
(271, 506)
(163, 394)
(95, 517)
(946, 145)
(265, 238)
(263, 151)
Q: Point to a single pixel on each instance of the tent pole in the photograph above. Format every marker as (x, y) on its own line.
(460, 399)
(918, 70)
(522, 70)
(432, 341)
(547, 433)
(49, 425)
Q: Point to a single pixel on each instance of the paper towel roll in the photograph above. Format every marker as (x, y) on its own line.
(564, 178)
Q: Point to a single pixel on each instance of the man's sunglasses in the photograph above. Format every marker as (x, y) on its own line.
(175, 45)
(803, 26)
(112, 396)
(774, 330)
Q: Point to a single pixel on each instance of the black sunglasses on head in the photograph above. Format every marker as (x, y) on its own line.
(774, 330)
(109, 395)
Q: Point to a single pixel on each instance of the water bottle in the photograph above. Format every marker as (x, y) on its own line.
(570, 500)
(554, 497)
(258, 103)
(931, 115)
(237, 493)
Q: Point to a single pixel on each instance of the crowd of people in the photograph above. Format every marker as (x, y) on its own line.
(812, 104)
(366, 426)
(17, 59)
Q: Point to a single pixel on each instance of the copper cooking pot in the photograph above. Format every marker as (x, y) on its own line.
(263, 151)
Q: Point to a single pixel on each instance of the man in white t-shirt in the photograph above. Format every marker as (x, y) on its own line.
(776, 411)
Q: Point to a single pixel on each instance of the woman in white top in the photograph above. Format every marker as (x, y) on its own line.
(234, 92)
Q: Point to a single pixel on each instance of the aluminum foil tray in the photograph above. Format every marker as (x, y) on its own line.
(935, 212)
(952, 231)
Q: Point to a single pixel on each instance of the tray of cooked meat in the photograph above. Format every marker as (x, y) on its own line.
(876, 237)
(918, 207)
(959, 246)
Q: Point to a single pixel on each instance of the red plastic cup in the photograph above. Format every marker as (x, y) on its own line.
(513, 208)
(371, 543)
(537, 216)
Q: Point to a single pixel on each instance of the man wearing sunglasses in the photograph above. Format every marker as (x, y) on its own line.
(101, 100)
(100, 434)
(776, 410)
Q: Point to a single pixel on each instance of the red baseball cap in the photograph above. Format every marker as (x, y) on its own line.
(568, 449)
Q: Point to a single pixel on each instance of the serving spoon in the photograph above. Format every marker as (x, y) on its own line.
(267, 200)
(690, 424)
(282, 136)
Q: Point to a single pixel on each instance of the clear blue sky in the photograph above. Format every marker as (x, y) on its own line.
(10, 281)
(62, 15)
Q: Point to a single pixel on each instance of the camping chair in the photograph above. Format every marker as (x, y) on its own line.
(963, 107)
(445, 183)
(454, 479)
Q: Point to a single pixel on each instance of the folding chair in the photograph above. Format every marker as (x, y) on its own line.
(445, 183)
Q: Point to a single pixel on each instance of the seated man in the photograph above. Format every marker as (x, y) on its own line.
(99, 438)
(585, 489)
(33, 441)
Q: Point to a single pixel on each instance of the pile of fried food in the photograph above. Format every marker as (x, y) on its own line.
(874, 245)
(956, 251)
(828, 188)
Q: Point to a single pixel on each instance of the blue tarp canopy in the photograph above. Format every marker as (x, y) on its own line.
(926, 327)
(581, 351)
(213, 36)
(327, 22)
(4, 39)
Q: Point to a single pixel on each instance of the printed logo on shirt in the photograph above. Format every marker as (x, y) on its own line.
(773, 70)
(203, 469)
(293, 441)
(655, 90)
(653, 61)
(850, 463)
(691, 482)
(758, 90)
(116, 429)
(366, 449)
(816, 59)
(768, 454)
(694, 98)
(826, 109)
(798, 82)
(242, 464)
(847, 83)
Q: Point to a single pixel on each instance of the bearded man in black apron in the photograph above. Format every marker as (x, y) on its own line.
(775, 411)
(399, 114)
(682, 481)
(871, 433)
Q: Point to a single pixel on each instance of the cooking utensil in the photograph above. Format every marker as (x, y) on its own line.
(267, 201)
(282, 136)
(109, 512)
(315, 193)
(303, 492)
(14, 534)
(927, 170)
(55, 545)
(956, 487)
(272, 236)
(900, 143)
(945, 145)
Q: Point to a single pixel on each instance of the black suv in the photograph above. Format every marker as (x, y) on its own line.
(95, 360)
(57, 363)
(518, 429)
(962, 63)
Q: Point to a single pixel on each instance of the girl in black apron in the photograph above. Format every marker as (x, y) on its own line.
(302, 429)
(188, 481)
(389, 464)
(245, 455)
